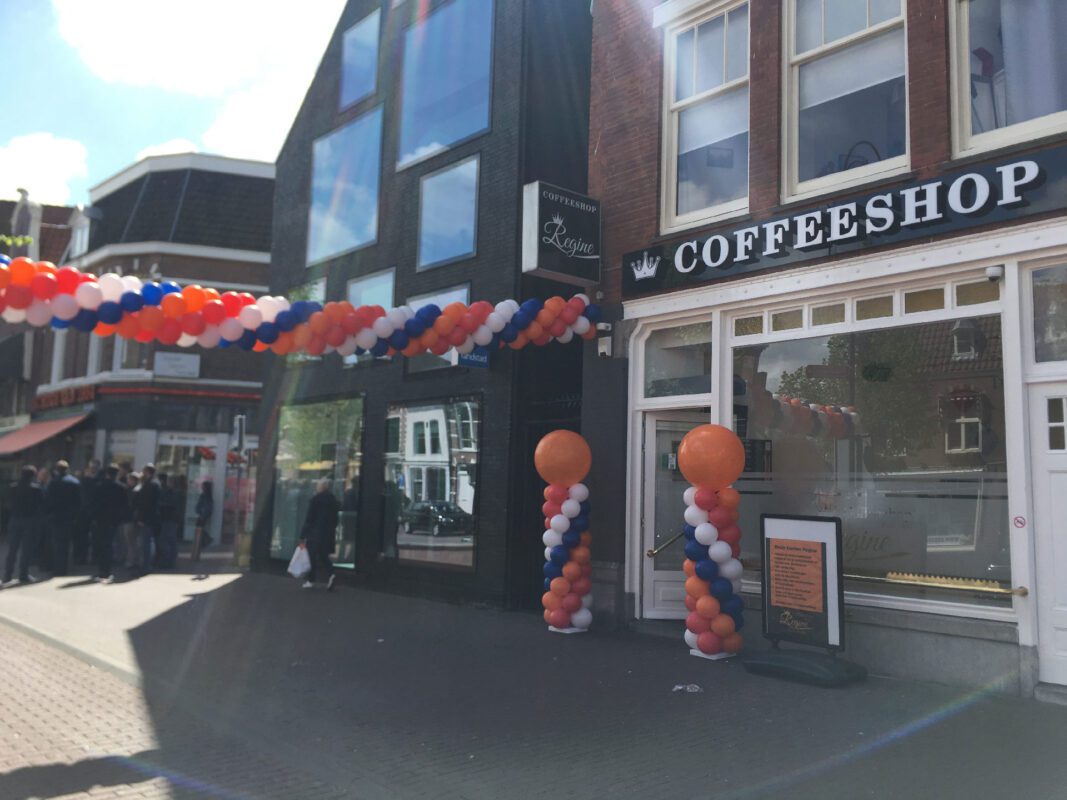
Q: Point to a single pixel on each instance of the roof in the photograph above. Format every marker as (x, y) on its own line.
(180, 161)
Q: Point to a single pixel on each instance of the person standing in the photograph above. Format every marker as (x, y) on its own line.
(146, 514)
(205, 508)
(42, 545)
(320, 531)
(129, 481)
(110, 509)
(63, 504)
(169, 515)
(82, 535)
(23, 527)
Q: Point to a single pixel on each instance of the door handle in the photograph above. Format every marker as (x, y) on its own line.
(652, 552)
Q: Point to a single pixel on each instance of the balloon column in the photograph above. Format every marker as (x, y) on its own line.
(711, 458)
(41, 294)
(563, 459)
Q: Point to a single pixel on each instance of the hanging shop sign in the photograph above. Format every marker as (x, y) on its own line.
(477, 358)
(803, 593)
(979, 195)
(560, 234)
(64, 397)
(176, 365)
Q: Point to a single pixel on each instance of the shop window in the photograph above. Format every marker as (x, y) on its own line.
(316, 441)
(1050, 313)
(748, 326)
(904, 444)
(971, 294)
(828, 315)
(706, 119)
(429, 511)
(344, 188)
(445, 87)
(371, 290)
(448, 214)
(1011, 71)
(787, 320)
(359, 59)
(924, 300)
(874, 307)
(847, 95)
(1057, 435)
(426, 362)
(678, 361)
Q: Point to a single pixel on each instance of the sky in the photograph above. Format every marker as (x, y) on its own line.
(91, 86)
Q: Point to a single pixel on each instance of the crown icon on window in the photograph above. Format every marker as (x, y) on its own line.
(645, 268)
(557, 219)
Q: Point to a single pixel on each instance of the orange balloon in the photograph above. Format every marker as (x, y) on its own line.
(560, 586)
(591, 333)
(711, 457)
(572, 571)
(194, 298)
(129, 326)
(455, 311)
(519, 343)
(211, 294)
(729, 497)
(556, 304)
(413, 349)
(22, 271)
(733, 643)
(708, 607)
(259, 347)
(551, 601)
(545, 318)
(581, 555)
(444, 325)
(587, 538)
(534, 330)
(562, 458)
(278, 347)
(723, 625)
(151, 318)
(103, 329)
(689, 568)
(46, 267)
(696, 588)
(5, 276)
(173, 305)
(430, 337)
(301, 337)
(548, 616)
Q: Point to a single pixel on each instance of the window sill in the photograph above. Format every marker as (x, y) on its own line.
(963, 156)
(729, 214)
(824, 188)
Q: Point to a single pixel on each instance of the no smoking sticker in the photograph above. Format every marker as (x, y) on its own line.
(1019, 522)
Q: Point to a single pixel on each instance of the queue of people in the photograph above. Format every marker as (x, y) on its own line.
(108, 517)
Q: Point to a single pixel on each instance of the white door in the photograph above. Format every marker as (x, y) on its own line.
(1048, 445)
(662, 578)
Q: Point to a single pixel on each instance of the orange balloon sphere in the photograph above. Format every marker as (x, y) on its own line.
(729, 497)
(723, 625)
(587, 538)
(548, 616)
(173, 305)
(563, 458)
(560, 586)
(695, 587)
(711, 457)
(708, 607)
(22, 271)
(572, 571)
(689, 568)
(551, 601)
(194, 298)
(103, 329)
(581, 554)
(733, 643)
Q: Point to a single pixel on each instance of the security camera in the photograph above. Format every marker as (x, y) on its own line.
(994, 274)
(604, 327)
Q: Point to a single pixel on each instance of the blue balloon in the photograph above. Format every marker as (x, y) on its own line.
(689, 532)
(168, 287)
(580, 523)
(85, 321)
(531, 306)
(60, 324)
(560, 554)
(508, 333)
(428, 313)
(585, 507)
(381, 347)
(521, 321)
(4, 259)
(131, 301)
(733, 604)
(314, 306)
(247, 340)
(298, 310)
(572, 539)
(414, 327)
(399, 340)
(223, 344)
(152, 294)
(695, 551)
(552, 570)
(721, 588)
(707, 570)
(286, 321)
(593, 313)
(739, 621)
(267, 333)
(360, 351)
(110, 313)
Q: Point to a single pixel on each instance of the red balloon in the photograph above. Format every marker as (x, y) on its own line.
(231, 302)
(720, 517)
(733, 643)
(550, 509)
(582, 586)
(551, 601)
(18, 297)
(587, 569)
(709, 644)
(350, 323)
(457, 337)
(723, 625)
(557, 328)
(730, 534)
(246, 299)
(469, 323)
(193, 324)
(568, 315)
(735, 549)
(144, 337)
(705, 499)
(440, 347)
(556, 494)
(316, 346)
(67, 280)
(696, 623)
(335, 337)
(559, 619)
(44, 286)
(572, 603)
(170, 331)
(729, 497)
(690, 603)
(213, 312)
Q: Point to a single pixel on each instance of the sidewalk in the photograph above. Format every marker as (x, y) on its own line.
(381, 696)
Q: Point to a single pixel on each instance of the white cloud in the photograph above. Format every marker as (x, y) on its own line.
(42, 164)
(257, 58)
(167, 148)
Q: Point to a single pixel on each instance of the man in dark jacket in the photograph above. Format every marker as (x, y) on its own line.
(169, 516)
(26, 500)
(82, 536)
(110, 509)
(146, 514)
(63, 503)
(320, 531)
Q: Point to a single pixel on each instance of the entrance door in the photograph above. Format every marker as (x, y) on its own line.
(662, 579)
(1048, 440)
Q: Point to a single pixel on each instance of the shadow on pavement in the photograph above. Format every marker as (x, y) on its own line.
(56, 780)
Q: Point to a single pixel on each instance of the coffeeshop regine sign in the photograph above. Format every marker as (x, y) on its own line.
(560, 234)
(977, 196)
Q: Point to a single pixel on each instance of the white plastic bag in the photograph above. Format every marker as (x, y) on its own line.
(300, 563)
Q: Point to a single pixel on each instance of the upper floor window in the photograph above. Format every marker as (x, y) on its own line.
(706, 118)
(846, 96)
(448, 214)
(79, 238)
(359, 59)
(428, 361)
(1011, 71)
(446, 80)
(344, 188)
(371, 290)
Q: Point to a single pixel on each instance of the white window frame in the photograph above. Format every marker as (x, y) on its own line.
(670, 220)
(965, 143)
(959, 426)
(792, 187)
(1049, 425)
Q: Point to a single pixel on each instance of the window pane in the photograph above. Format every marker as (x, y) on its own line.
(710, 44)
(852, 107)
(373, 290)
(737, 43)
(448, 217)
(713, 152)
(1017, 62)
(747, 326)
(787, 320)
(430, 497)
(842, 18)
(924, 300)
(344, 188)
(445, 88)
(874, 307)
(889, 404)
(359, 60)
(881, 10)
(1057, 440)
(809, 25)
(1050, 314)
(428, 361)
(678, 361)
(684, 70)
(1055, 409)
(314, 291)
(828, 315)
(969, 294)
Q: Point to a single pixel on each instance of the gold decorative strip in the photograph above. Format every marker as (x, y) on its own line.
(944, 582)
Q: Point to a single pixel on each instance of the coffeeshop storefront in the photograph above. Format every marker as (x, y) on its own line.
(918, 393)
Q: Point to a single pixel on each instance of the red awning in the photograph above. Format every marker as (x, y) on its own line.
(35, 433)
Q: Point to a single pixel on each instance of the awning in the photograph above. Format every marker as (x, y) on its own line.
(35, 433)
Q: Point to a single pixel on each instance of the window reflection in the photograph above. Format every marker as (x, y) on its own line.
(678, 361)
(448, 214)
(431, 466)
(1050, 314)
(359, 59)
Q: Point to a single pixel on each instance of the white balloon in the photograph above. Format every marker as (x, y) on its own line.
(579, 492)
(513, 305)
(571, 508)
(731, 569)
(268, 308)
(495, 322)
(582, 618)
(466, 347)
(560, 523)
(349, 347)
(210, 337)
(14, 314)
(689, 495)
(39, 313)
(408, 312)
(720, 552)
(131, 283)
(65, 306)
(583, 297)
(282, 302)
(503, 310)
(566, 336)
(587, 601)
(366, 339)
(548, 554)
(230, 329)
(383, 328)
(397, 318)
(552, 538)
(250, 317)
(186, 340)
(695, 515)
(707, 534)
(89, 295)
(581, 325)
(111, 287)
(483, 336)
(691, 639)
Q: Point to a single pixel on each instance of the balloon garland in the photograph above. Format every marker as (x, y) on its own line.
(40, 294)
(563, 459)
(711, 457)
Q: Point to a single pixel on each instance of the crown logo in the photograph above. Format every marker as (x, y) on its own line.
(557, 219)
(645, 268)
